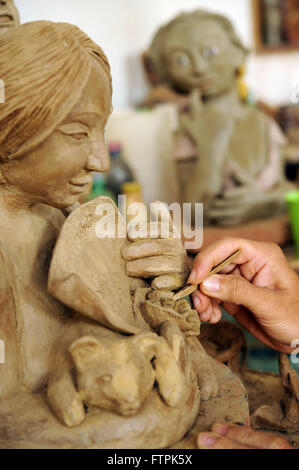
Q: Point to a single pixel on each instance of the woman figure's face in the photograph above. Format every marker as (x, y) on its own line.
(201, 55)
(58, 172)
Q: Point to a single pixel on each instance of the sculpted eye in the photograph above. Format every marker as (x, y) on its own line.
(76, 130)
(104, 379)
(210, 51)
(180, 59)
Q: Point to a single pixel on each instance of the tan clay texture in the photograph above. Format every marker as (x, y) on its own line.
(94, 358)
(9, 16)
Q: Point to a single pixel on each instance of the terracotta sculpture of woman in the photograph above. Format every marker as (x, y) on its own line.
(85, 345)
(228, 153)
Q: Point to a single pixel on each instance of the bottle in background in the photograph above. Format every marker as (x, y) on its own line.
(133, 193)
(120, 171)
(99, 188)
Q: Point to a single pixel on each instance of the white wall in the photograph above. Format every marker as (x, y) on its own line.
(124, 28)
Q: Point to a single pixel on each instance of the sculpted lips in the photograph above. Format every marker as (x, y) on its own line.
(81, 181)
(5, 18)
(79, 184)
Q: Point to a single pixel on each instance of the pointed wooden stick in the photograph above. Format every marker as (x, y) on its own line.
(189, 289)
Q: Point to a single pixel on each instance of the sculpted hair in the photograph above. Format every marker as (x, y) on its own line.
(45, 67)
(154, 60)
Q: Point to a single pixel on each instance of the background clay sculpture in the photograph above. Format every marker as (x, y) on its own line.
(228, 153)
(86, 337)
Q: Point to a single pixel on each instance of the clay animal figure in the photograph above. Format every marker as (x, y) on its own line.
(228, 153)
(9, 16)
(113, 372)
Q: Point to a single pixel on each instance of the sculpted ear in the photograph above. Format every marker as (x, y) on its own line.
(150, 68)
(238, 56)
(86, 351)
(147, 343)
(168, 375)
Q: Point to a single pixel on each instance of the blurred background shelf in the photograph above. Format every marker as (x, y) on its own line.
(276, 25)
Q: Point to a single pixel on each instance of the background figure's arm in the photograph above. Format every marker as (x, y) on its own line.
(210, 130)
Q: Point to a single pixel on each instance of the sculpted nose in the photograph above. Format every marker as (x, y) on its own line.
(199, 65)
(98, 159)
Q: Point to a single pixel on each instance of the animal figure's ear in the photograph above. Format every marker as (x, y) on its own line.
(168, 375)
(86, 351)
(147, 343)
(150, 68)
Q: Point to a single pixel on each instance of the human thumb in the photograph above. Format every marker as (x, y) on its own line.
(235, 290)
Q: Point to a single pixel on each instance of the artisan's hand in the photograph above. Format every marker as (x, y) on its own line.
(162, 258)
(230, 436)
(259, 289)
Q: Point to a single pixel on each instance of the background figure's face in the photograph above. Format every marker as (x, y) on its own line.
(58, 172)
(9, 16)
(199, 54)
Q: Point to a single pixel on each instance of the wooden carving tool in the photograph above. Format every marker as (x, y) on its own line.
(189, 289)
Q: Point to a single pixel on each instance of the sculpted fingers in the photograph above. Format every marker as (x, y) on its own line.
(146, 248)
(197, 106)
(152, 230)
(156, 266)
(170, 281)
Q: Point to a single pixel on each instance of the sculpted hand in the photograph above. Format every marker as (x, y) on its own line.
(241, 204)
(206, 124)
(161, 257)
(231, 436)
(259, 289)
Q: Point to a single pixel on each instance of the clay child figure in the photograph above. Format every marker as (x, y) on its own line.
(80, 332)
(228, 153)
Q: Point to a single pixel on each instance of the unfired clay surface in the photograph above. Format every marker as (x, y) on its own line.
(96, 356)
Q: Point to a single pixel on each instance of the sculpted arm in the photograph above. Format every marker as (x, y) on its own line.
(264, 196)
(210, 130)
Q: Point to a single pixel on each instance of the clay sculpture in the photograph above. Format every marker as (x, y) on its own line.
(228, 153)
(95, 357)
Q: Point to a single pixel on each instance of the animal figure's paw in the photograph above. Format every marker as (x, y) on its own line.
(66, 402)
(168, 375)
(170, 383)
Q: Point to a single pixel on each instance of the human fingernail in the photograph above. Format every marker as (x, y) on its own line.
(206, 439)
(196, 303)
(192, 277)
(211, 284)
(205, 316)
(221, 429)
